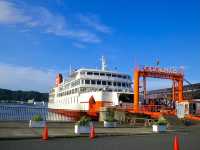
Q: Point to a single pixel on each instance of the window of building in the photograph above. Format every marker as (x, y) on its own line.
(87, 81)
(114, 84)
(123, 84)
(109, 83)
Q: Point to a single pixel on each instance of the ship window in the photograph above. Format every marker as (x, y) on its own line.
(98, 82)
(72, 91)
(103, 82)
(102, 74)
(72, 84)
(114, 84)
(87, 81)
(96, 73)
(123, 84)
(93, 82)
(126, 84)
(124, 77)
(129, 84)
(109, 83)
(82, 89)
(114, 75)
(89, 73)
(77, 82)
(82, 81)
(119, 76)
(108, 74)
(118, 83)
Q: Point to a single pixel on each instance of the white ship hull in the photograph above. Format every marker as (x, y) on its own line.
(82, 103)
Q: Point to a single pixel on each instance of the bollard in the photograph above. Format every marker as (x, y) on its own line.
(176, 143)
(45, 133)
(92, 132)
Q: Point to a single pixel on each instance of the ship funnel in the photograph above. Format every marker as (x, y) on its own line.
(59, 79)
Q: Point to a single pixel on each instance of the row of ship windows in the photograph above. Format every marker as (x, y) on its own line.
(106, 74)
(73, 91)
(72, 100)
(82, 90)
(95, 82)
(103, 82)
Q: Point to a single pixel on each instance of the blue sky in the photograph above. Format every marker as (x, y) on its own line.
(40, 38)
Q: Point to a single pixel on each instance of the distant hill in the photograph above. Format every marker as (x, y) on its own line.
(13, 96)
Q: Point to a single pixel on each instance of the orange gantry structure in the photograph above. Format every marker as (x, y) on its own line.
(156, 72)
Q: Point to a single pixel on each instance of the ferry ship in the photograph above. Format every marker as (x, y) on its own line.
(88, 90)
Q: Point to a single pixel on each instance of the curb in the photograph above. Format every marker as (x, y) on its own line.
(75, 136)
(86, 135)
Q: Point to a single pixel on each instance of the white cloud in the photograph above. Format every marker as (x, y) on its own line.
(26, 78)
(48, 22)
(11, 14)
(93, 21)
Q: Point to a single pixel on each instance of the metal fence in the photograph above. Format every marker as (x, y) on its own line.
(14, 112)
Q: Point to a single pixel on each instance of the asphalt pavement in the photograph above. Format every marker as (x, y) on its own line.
(188, 141)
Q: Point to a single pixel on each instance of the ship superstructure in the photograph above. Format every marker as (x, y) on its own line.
(85, 86)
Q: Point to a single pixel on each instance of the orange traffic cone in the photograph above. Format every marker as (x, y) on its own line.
(45, 133)
(92, 133)
(176, 143)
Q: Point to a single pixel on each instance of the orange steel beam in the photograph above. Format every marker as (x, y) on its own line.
(180, 90)
(144, 88)
(155, 72)
(173, 90)
(136, 90)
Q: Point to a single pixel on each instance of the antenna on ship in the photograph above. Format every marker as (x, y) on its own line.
(70, 69)
(103, 64)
